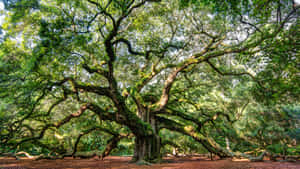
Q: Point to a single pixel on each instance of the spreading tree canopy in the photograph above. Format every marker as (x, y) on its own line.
(152, 70)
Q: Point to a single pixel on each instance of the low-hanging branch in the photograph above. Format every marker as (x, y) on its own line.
(88, 132)
(206, 141)
(56, 125)
(112, 144)
(189, 131)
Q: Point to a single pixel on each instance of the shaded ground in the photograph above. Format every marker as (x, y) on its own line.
(114, 162)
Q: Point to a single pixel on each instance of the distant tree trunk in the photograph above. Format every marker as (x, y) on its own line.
(227, 144)
(175, 153)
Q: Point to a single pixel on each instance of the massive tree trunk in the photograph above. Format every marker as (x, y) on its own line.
(147, 148)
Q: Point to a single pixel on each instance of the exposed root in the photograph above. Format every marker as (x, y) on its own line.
(143, 162)
(16, 155)
(283, 158)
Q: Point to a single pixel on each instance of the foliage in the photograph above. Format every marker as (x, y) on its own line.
(196, 75)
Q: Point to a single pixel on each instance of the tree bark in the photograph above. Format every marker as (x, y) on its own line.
(147, 149)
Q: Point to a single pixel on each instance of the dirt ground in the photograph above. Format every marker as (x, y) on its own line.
(114, 162)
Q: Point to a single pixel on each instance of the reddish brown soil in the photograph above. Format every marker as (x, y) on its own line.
(123, 163)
